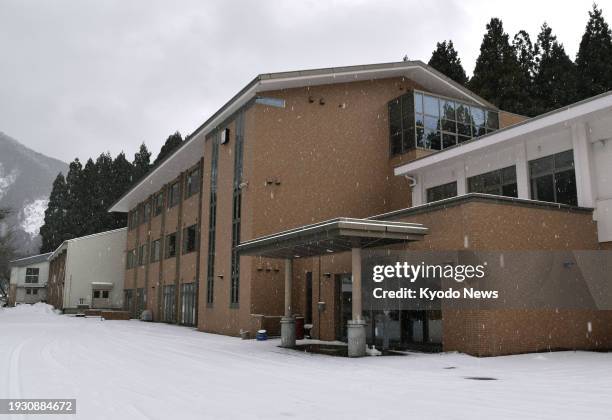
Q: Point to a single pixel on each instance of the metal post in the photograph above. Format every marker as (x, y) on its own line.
(288, 321)
(356, 326)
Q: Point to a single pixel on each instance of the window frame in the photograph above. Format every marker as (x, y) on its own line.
(168, 242)
(447, 184)
(186, 231)
(554, 172)
(32, 278)
(174, 197)
(503, 181)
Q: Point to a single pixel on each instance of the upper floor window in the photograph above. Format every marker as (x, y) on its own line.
(192, 183)
(142, 255)
(189, 239)
(32, 275)
(174, 195)
(433, 122)
(171, 245)
(498, 182)
(553, 178)
(159, 204)
(441, 192)
(133, 219)
(146, 211)
(155, 250)
(131, 259)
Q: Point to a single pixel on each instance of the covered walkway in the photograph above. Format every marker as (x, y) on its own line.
(332, 236)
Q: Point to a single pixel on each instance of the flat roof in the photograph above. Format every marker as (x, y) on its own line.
(192, 148)
(331, 236)
(64, 244)
(599, 103)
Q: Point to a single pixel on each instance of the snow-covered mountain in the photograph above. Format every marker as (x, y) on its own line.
(26, 178)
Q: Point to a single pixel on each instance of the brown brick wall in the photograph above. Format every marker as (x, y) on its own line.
(507, 119)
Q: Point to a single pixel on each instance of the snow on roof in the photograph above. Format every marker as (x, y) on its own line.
(34, 259)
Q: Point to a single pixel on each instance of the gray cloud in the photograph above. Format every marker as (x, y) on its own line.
(81, 77)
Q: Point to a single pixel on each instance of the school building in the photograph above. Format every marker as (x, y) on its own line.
(265, 210)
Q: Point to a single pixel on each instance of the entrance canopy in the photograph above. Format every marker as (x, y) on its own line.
(331, 236)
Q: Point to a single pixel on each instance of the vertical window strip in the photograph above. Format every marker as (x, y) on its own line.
(212, 221)
(236, 208)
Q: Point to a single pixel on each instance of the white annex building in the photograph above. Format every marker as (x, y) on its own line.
(29, 277)
(88, 272)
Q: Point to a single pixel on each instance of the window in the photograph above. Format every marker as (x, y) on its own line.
(189, 239)
(147, 212)
(131, 258)
(441, 192)
(499, 182)
(237, 211)
(142, 257)
(133, 219)
(28, 291)
(212, 220)
(155, 250)
(553, 179)
(31, 275)
(401, 124)
(159, 203)
(34, 291)
(192, 183)
(435, 123)
(105, 294)
(96, 294)
(175, 195)
(171, 245)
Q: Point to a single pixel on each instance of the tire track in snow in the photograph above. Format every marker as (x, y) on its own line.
(13, 377)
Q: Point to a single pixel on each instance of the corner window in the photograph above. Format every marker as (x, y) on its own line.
(32, 275)
(189, 239)
(433, 122)
(441, 192)
(175, 195)
(171, 245)
(553, 179)
(498, 182)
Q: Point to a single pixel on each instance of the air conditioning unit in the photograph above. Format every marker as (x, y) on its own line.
(225, 135)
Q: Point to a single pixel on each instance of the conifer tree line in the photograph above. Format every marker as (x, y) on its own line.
(79, 201)
(531, 77)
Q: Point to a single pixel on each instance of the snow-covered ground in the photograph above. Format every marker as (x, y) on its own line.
(136, 370)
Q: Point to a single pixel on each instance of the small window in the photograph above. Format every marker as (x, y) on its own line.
(159, 203)
(175, 195)
(28, 291)
(147, 212)
(441, 192)
(142, 255)
(105, 294)
(189, 239)
(155, 250)
(32, 275)
(192, 183)
(131, 258)
(133, 222)
(96, 294)
(171, 245)
(34, 291)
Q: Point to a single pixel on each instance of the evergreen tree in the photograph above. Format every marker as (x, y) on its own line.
(172, 143)
(86, 199)
(104, 192)
(53, 231)
(498, 73)
(121, 181)
(446, 60)
(141, 163)
(555, 82)
(73, 214)
(594, 58)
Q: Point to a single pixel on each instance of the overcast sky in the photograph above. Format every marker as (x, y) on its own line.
(78, 78)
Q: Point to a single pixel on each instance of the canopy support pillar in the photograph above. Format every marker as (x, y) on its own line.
(288, 321)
